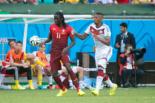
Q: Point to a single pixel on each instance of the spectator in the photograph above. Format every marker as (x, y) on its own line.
(123, 39)
(104, 1)
(3, 1)
(141, 1)
(123, 1)
(72, 1)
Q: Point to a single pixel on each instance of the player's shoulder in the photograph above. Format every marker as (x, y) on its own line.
(68, 27)
(92, 25)
(105, 25)
(52, 25)
(10, 51)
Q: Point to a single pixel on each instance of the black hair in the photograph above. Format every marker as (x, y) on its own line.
(61, 15)
(98, 13)
(11, 40)
(19, 42)
(124, 25)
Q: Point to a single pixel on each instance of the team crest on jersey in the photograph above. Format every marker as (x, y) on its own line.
(94, 31)
(101, 31)
(54, 29)
(63, 31)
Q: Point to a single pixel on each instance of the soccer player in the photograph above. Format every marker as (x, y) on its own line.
(59, 34)
(101, 35)
(16, 60)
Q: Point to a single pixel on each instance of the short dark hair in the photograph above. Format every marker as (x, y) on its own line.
(19, 42)
(11, 40)
(124, 25)
(61, 15)
(99, 13)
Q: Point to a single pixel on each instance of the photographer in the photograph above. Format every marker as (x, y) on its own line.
(132, 66)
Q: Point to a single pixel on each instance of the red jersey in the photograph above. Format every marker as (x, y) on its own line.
(60, 36)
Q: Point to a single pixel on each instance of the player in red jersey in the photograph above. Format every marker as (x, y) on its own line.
(59, 34)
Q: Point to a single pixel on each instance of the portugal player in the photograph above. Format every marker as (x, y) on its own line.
(59, 34)
(101, 35)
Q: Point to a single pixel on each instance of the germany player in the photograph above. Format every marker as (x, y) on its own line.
(103, 51)
(59, 34)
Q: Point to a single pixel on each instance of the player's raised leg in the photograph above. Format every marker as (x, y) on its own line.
(55, 67)
(102, 76)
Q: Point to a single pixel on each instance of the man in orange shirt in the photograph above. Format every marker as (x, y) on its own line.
(12, 47)
(42, 67)
(16, 60)
(6, 64)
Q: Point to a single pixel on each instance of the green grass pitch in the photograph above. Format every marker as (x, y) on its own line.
(124, 95)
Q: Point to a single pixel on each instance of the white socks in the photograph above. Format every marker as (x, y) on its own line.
(50, 80)
(109, 83)
(1, 78)
(99, 81)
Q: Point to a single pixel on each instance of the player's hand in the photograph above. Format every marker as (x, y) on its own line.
(42, 43)
(65, 51)
(117, 45)
(96, 37)
(25, 65)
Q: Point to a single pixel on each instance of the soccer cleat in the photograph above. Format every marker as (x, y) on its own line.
(17, 87)
(62, 93)
(113, 90)
(95, 92)
(31, 87)
(81, 93)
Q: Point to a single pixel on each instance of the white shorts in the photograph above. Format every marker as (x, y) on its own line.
(102, 56)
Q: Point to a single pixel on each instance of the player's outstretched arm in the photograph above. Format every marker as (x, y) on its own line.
(84, 36)
(48, 39)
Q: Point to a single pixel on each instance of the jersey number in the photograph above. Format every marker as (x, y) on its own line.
(58, 35)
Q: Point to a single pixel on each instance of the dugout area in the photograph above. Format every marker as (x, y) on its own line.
(142, 11)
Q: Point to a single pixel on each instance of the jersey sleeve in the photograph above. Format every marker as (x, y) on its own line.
(71, 32)
(107, 31)
(7, 56)
(87, 31)
(51, 28)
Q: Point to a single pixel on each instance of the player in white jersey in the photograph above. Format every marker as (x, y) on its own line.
(103, 51)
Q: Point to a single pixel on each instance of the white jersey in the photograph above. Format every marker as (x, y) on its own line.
(102, 51)
(103, 32)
